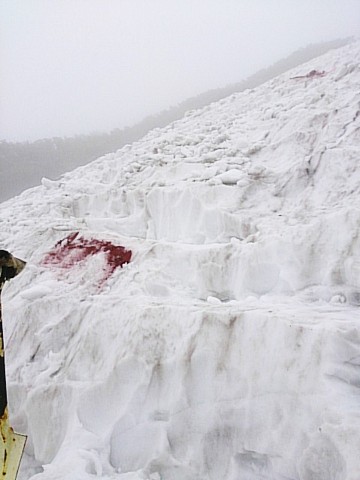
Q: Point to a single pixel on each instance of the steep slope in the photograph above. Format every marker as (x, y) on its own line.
(24, 164)
(228, 347)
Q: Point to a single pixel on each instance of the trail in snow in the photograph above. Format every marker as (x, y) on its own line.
(228, 347)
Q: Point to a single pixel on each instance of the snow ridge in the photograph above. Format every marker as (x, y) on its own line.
(229, 346)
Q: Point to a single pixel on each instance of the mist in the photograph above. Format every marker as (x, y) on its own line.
(71, 67)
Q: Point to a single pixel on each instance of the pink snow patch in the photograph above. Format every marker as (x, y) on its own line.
(311, 74)
(74, 249)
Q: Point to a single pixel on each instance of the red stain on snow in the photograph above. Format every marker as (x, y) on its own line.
(311, 74)
(74, 249)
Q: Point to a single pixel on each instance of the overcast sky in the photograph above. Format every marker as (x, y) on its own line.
(76, 66)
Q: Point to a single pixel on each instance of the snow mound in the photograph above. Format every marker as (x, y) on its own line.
(227, 345)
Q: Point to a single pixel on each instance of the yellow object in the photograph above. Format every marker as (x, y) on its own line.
(11, 449)
(11, 444)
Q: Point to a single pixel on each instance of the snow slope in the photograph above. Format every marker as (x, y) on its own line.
(229, 346)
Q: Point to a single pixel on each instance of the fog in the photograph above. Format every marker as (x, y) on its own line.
(72, 67)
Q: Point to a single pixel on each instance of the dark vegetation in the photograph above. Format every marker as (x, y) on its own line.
(22, 165)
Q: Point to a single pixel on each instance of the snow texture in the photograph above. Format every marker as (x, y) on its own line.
(229, 346)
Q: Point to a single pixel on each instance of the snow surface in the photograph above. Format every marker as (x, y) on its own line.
(229, 347)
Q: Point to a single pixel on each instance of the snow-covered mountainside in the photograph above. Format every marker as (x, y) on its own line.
(226, 344)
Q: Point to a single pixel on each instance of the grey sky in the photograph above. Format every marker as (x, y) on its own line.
(75, 66)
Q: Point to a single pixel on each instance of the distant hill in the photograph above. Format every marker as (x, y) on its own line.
(22, 165)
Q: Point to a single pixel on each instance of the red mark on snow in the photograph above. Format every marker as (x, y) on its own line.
(311, 74)
(74, 249)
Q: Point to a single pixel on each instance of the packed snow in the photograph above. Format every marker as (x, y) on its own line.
(227, 345)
